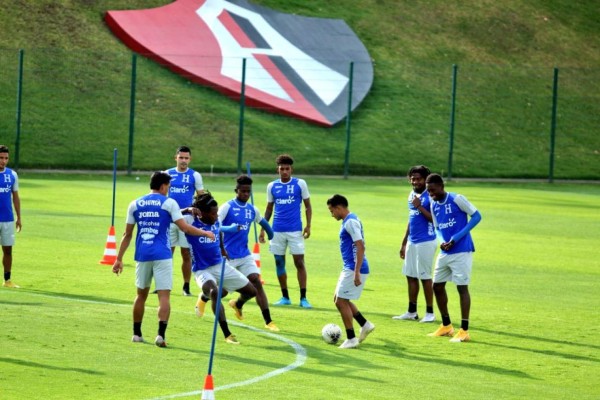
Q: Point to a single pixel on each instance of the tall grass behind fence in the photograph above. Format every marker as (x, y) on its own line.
(76, 109)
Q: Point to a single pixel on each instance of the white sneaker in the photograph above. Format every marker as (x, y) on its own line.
(160, 342)
(365, 330)
(137, 339)
(409, 316)
(349, 343)
(429, 317)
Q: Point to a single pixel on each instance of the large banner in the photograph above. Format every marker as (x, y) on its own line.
(297, 66)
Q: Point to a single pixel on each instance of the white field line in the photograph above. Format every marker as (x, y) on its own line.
(298, 349)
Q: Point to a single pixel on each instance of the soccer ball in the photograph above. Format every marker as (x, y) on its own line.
(331, 333)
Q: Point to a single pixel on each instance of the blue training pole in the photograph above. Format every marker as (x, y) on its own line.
(217, 311)
(252, 201)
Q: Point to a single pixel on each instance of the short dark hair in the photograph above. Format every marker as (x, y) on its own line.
(435, 178)
(243, 180)
(183, 149)
(158, 179)
(419, 169)
(285, 159)
(3, 149)
(337, 200)
(204, 202)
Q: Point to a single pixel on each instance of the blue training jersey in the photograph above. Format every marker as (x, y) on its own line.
(184, 185)
(350, 232)
(242, 214)
(287, 198)
(450, 216)
(9, 183)
(205, 252)
(419, 228)
(153, 214)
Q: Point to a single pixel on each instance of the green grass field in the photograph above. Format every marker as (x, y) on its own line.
(534, 319)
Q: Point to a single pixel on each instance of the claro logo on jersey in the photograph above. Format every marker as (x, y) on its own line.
(289, 200)
(183, 189)
(445, 225)
(298, 66)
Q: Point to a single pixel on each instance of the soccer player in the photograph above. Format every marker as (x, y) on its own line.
(185, 182)
(240, 213)
(9, 197)
(207, 263)
(453, 217)
(153, 214)
(354, 273)
(418, 246)
(284, 198)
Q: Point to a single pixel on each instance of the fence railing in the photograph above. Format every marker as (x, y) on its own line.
(73, 108)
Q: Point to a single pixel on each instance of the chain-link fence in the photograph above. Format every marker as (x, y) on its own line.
(76, 106)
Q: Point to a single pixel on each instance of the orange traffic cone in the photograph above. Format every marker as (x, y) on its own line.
(110, 251)
(256, 256)
(208, 392)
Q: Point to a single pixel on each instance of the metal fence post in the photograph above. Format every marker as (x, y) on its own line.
(242, 109)
(19, 105)
(132, 112)
(452, 121)
(553, 125)
(348, 122)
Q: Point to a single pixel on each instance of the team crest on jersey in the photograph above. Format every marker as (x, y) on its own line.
(296, 66)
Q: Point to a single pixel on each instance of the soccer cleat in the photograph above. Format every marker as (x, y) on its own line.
(10, 284)
(231, 339)
(137, 339)
(237, 311)
(284, 301)
(304, 303)
(350, 344)
(365, 330)
(461, 336)
(272, 327)
(160, 342)
(407, 316)
(429, 317)
(443, 331)
(187, 293)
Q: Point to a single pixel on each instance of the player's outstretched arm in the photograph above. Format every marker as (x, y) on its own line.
(192, 230)
(266, 227)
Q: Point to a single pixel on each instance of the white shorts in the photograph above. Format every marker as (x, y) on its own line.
(161, 270)
(177, 237)
(7, 233)
(245, 265)
(232, 278)
(419, 259)
(346, 289)
(281, 240)
(453, 268)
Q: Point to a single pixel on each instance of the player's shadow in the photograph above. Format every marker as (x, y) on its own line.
(513, 334)
(391, 348)
(547, 352)
(77, 297)
(33, 364)
(21, 303)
